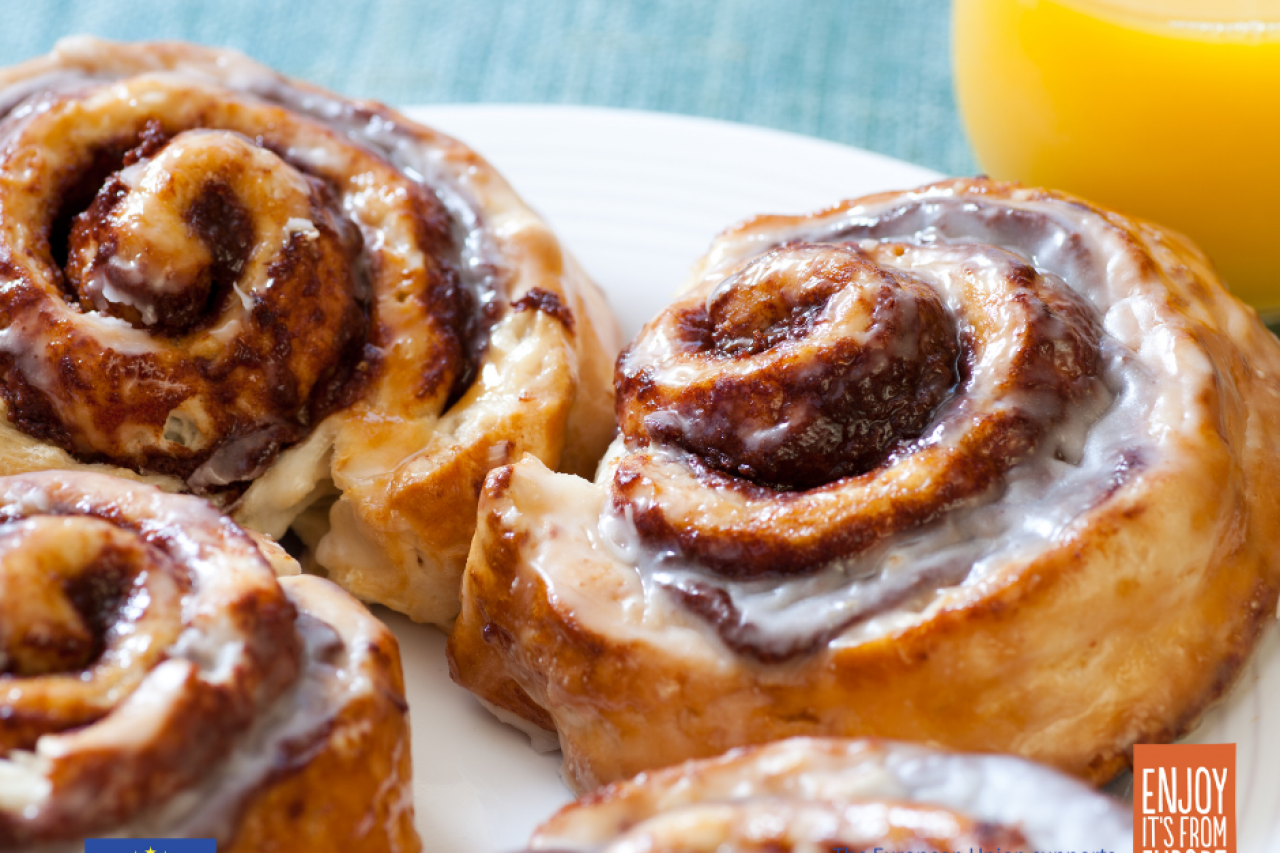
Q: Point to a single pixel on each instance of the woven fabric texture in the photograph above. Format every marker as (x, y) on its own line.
(870, 73)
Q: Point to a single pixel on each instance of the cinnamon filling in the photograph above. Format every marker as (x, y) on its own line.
(217, 297)
(81, 605)
(830, 364)
(812, 405)
(67, 633)
(127, 605)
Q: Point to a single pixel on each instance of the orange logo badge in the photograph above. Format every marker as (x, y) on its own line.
(1184, 798)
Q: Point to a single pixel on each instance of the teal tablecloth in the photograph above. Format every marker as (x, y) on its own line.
(871, 73)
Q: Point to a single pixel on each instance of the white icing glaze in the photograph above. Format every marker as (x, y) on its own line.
(1053, 811)
(300, 718)
(336, 669)
(1128, 429)
(376, 167)
(331, 122)
(220, 568)
(1043, 496)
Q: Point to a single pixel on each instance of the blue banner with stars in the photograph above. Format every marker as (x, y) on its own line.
(150, 845)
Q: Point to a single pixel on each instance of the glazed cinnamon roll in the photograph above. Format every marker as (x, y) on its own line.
(972, 465)
(158, 681)
(311, 311)
(829, 794)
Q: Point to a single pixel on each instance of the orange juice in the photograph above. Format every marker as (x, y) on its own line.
(1164, 109)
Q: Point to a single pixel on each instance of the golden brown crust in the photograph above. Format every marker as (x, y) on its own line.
(811, 793)
(252, 289)
(191, 694)
(1131, 618)
(841, 400)
(818, 419)
(355, 790)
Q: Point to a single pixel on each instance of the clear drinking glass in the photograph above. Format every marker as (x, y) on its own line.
(1164, 109)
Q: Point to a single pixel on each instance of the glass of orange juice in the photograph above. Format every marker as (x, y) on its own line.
(1164, 109)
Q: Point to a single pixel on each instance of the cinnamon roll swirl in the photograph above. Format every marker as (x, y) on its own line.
(828, 794)
(311, 311)
(973, 465)
(159, 681)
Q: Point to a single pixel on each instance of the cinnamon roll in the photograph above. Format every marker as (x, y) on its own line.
(159, 681)
(973, 465)
(311, 311)
(829, 794)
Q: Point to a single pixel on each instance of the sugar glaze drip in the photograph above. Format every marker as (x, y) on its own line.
(1078, 461)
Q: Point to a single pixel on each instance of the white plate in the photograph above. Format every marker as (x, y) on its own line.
(637, 197)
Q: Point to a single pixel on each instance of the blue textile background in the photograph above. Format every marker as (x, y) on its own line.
(871, 73)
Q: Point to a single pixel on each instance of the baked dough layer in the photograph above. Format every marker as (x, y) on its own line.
(1102, 591)
(193, 694)
(819, 793)
(312, 310)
